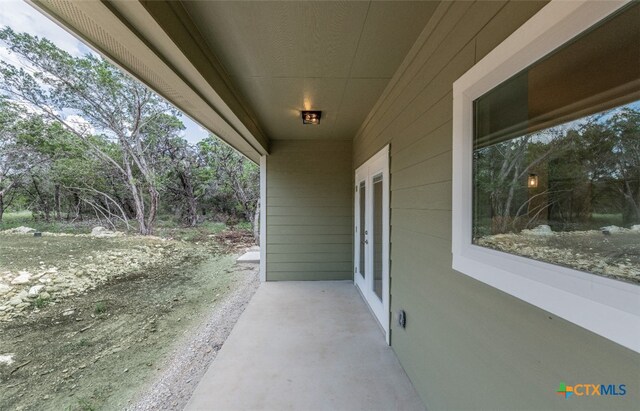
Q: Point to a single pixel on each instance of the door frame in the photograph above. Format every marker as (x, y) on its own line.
(366, 172)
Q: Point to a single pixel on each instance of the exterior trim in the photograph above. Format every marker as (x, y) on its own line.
(604, 306)
(263, 218)
(177, 24)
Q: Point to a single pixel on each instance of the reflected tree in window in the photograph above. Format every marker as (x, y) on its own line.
(573, 187)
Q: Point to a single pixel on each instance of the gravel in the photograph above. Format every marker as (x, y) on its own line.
(173, 387)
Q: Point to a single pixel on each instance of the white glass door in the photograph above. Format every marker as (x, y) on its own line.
(371, 235)
(360, 240)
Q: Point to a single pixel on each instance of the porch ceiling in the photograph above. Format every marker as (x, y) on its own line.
(245, 70)
(284, 57)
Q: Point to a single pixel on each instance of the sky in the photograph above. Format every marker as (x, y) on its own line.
(21, 17)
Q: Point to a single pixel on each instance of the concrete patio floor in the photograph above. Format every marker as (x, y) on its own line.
(306, 346)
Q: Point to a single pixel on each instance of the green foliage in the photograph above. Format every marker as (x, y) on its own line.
(85, 404)
(202, 232)
(119, 157)
(100, 308)
(15, 158)
(235, 180)
(40, 302)
(84, 343)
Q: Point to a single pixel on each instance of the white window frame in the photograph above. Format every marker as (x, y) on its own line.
(602, 305)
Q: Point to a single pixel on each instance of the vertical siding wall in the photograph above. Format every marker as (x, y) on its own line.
(468, 345)
(309, 210)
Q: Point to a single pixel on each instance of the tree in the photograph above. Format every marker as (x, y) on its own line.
(41, 142)
(230, 174)
(625, 127)
(591, 165)
(501, 169)
(14, 161)
(105, 102)
(183, 165)
(98, 142)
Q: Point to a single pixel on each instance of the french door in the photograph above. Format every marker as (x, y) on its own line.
(371, 253)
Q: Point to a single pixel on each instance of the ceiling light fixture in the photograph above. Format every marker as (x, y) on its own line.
(311, 117)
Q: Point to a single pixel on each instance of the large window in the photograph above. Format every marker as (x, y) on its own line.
(556, 156)
(547, 165)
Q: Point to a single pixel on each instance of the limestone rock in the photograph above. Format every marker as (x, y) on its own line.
(24, 296)
(612, 229)
(20, 230)
(6, 359)
(5, 289)
(15, 301)
(22, 278)
(35, 290)
(103, 232)
(539, 230)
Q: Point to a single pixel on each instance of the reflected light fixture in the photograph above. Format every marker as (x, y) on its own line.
(532, 181)
(311, 117)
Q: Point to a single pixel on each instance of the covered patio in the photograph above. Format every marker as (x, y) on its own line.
(361, 219)
(306, 346)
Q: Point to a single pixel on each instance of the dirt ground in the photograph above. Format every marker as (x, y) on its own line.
(99, 347)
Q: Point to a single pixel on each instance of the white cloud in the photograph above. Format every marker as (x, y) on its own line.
(32, 109)
(23, 18)
(193, 131)
(80, 125)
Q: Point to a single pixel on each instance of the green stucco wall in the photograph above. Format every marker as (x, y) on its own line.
(468, 346)
(309, 210)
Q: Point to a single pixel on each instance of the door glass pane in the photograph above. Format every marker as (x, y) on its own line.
(361, 227)
(377, 235)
